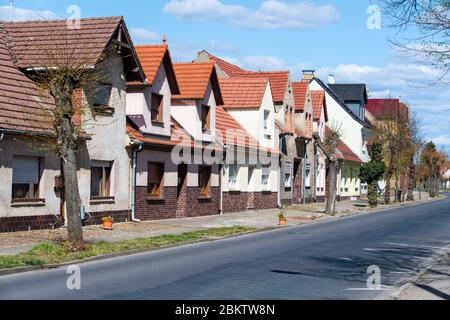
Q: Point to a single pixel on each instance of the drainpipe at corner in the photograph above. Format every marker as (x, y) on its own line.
(221, 168)
(2, 134)
(139, 146)
(316, 166)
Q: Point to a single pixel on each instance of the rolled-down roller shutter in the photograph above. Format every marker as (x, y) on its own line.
(25, 170)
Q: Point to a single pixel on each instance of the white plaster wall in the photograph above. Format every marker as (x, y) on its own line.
(10, 147)
(108, 144)
(170, 169)
(188, 112)
(139, 103)
(340, 118)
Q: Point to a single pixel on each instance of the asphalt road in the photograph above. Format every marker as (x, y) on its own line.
(324, 260)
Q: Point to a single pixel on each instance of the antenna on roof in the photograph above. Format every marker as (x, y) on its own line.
(164, 39)
(11, 10)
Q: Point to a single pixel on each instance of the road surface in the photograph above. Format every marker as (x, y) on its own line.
(323, 260)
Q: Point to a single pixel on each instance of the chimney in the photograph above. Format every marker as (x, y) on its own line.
(331, 79)
(308, 74)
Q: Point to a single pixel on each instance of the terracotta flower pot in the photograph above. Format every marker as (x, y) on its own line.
(282, 222)
(107, 225)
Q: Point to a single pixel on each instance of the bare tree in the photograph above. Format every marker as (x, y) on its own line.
(427, 24)
(328, 147)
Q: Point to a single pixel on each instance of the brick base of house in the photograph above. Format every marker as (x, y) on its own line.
(197, 205)
(236, 201)
(152, 209)
(118, 216)
(320, 199)
(15, 224)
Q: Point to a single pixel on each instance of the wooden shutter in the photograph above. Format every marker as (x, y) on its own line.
(25, 170)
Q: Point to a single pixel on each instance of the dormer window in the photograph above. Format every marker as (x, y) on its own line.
(157, 111)
(206, 117)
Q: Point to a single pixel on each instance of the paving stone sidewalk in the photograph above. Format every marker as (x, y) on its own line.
(13, 243)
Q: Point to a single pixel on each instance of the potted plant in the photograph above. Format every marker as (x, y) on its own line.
(107, 223)
(282, 221)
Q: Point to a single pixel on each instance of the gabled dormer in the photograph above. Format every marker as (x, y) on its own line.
(195, 106)
(148, 103)
(354, 96)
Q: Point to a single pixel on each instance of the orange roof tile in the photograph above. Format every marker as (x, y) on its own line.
(243, 92)
(193, 79)
(319, 104)
(151, 58)
(278, 82)
(229, 68)
(299, 90)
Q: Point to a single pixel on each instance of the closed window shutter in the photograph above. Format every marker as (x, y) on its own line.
(25, 170)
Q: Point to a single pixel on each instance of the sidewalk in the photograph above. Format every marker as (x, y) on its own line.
(13, 243)
(434, 284)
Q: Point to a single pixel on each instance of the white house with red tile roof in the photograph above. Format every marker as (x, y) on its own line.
(284, 103)
(250, 180)
(31, 195)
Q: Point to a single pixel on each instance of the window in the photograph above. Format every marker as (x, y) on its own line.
(266, 120)
(308, 177)
(102, 95)
(265, 174)
(26, 177)
(157, 111)
(287, 180)
(206, 117)
(155, 179)
(204, 180)
(101, 179)
(232, 176)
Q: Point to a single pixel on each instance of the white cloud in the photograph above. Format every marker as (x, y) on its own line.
(272, 14)
(142, 34)
(219, 46)
(442, 140)
(20, 14)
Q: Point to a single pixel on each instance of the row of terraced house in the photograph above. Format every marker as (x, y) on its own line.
(168, 140)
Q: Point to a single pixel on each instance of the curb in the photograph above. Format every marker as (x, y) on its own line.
(23, 269)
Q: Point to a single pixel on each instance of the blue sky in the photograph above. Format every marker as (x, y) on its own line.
(327, 35)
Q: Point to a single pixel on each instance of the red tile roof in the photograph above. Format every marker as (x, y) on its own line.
(278, 79)
(193, 79)
(23, 106)
(343, 151)
(278, 82)
(299, 90)
(230, 132)
(243, 93)
(319, 104)
(177, 135)
(151, 58)
(380, 108)
(32, 40)
(229, 68)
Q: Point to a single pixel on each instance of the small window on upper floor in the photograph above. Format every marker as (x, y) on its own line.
(157, 110)
(206, 117)
(101, 99)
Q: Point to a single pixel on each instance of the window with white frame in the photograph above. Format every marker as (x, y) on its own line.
(101, 179)
(233, 176)
(265, 177)
(26, 178)
(308, 176)
(287, 168)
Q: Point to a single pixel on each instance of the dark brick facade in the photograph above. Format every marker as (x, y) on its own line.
(197, 205)
(238, 201)
(151, 209)
(15, 224)
(118, 216)
(265, 200)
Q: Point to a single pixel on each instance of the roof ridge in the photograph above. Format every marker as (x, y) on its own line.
(59, 20)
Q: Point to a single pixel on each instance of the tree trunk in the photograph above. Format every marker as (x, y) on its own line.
(67, 143)
(331, 200)
(372, 194)
(72, 197)
(387, 189)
